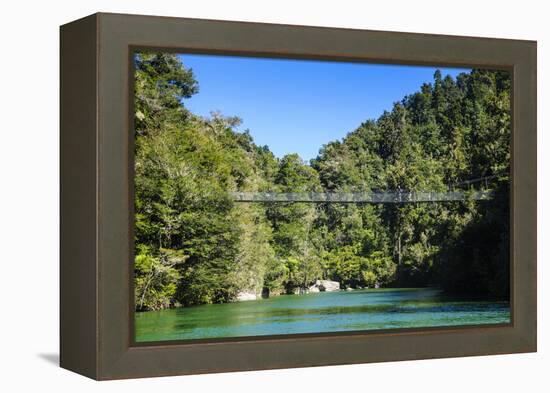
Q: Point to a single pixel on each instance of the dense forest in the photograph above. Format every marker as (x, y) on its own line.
(194, 244)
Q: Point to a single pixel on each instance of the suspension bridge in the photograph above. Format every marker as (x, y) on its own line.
(397, 196)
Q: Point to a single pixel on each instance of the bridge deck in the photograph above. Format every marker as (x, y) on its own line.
(361, 197)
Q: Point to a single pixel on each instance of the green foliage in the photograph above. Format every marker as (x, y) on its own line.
(256, 256)
(378, 269)
(161, 82)
(347, 266)
(155, 279)
(194, 245)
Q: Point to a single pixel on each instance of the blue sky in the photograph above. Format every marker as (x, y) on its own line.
(296, 106)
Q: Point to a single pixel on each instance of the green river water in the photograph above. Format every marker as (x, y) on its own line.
(319, 312)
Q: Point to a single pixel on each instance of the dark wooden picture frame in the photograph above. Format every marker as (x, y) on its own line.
(97, 197)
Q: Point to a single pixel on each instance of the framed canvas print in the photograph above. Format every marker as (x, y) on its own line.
(241, 196)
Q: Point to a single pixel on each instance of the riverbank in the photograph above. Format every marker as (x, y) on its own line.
(318, 286)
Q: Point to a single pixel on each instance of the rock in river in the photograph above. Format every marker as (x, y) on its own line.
(327, 285)
(245, 295)
(313, 289)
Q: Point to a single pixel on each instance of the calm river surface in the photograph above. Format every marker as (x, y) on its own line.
(319, 312)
